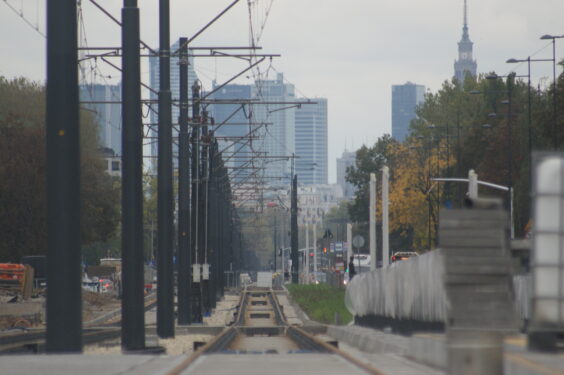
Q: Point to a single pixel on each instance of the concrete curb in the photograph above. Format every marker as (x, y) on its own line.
(369, 340)
(428, 349)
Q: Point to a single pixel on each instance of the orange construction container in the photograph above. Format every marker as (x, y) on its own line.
(11, 271)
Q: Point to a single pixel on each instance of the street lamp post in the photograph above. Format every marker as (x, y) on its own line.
(554, 108)
(510, 82)
(528, 60)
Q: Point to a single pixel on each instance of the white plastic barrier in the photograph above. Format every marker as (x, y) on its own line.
(410, 289)
(522, 286)
(413, 289)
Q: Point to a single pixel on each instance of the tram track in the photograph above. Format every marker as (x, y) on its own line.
(260, 327)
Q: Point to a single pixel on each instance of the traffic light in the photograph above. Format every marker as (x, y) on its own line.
(325, 250)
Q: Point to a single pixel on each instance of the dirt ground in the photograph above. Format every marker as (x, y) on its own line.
(31, 313)
(96, 304)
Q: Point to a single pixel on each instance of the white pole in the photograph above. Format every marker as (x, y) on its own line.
(372, 223)
(385, 217)
(306, 254)
(314, 247)
(472, 184)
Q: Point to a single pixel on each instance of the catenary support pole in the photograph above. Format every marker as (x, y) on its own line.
(183, 192)
(195, 291)
(132, 304)
(165, 282)
(213, 223)
(385, 217)
(294, 230)
(64, 301)
(203, 219)
(372, 222)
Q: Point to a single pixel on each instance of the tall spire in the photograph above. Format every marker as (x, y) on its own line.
(465, 14)
(465, 63)
(465, 36)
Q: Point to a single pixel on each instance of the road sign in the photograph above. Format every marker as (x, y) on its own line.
(358, 241)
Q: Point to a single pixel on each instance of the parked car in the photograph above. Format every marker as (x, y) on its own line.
(403, 255)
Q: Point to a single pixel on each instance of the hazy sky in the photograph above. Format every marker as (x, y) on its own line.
(350, 52)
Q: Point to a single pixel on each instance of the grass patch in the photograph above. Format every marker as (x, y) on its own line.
(320, 302)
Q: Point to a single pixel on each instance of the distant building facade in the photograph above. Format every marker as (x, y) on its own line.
(106, 115)
(347, 159)
(465, 65)
(278, 135)
(112, 162)
(311, 143)
(154, 83)
(315, 201)
(238, 124)
(405, 98)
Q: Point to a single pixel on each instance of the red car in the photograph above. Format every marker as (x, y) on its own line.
(403, 255)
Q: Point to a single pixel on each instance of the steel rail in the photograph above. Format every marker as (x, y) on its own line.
(304, 339)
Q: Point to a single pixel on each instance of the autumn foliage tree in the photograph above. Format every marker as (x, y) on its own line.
(22, 175)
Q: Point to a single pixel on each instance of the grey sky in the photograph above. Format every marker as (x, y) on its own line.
(348, 51)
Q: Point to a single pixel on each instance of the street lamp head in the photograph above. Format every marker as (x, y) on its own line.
(474, 92)
(486, 126)
(547, 36)
(505, 101)
(492, 76)
(492, 114)
(513, 61)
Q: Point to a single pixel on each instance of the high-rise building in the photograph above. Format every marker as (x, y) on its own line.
(347, 159)
(405, 98)
(154, 82)
(465, 63)
(107, 115)
(311, 143)
(238, 125)
(279, 132)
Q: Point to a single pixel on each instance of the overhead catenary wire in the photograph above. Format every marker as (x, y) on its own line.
(22, 15)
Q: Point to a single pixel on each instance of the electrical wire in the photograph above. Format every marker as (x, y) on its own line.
(21, 14)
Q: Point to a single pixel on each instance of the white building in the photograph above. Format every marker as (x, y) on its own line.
(113, 162)
(347, 159)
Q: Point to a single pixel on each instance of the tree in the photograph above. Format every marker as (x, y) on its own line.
(22, 172)
(368, 160)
